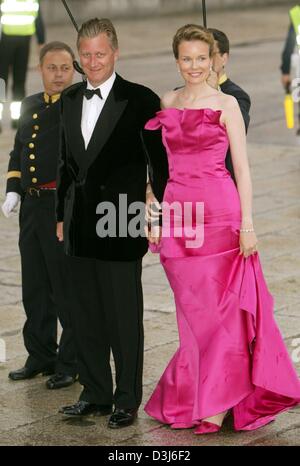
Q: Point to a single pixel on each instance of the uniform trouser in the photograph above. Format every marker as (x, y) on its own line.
(108, 316)
(45, 288)
(14, 55)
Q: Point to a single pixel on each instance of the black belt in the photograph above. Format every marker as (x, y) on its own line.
(40, 192)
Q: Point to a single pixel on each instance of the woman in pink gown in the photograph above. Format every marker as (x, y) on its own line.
(231, 356)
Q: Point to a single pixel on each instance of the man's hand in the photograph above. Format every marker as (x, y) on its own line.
(11, 202)
(59, 231)
(286, 80)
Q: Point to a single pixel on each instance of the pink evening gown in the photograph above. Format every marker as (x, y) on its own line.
(231, 353)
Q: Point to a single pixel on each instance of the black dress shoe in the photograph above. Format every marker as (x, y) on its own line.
(25, 373)
(83, 408)
(122, 418)
(60, 380)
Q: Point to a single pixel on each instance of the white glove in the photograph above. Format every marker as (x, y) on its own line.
(10, 203)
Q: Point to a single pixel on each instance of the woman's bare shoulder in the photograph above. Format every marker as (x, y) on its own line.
(228, 102)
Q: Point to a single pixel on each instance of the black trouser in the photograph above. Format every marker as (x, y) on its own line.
(108, 315)
(45, 287)
(14, 54)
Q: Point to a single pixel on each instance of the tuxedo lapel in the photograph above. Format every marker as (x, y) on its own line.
(112, 111)
(73, 115)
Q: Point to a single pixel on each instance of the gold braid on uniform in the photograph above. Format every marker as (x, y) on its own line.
(51, 98)
(13, 174)
(222, 79)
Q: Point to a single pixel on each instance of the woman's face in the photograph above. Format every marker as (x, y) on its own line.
(194, 62)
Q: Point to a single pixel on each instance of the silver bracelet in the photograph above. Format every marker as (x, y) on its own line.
(247, 230)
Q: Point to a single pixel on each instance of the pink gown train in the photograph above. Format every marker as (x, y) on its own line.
(231, 353)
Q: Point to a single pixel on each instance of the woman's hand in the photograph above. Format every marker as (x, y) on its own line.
(248, 243)
(154, 235)
(152, 228)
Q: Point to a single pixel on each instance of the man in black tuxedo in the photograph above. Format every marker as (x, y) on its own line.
(104, 154)
(220, 59)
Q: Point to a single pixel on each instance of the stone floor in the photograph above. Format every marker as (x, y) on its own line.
(28, 412)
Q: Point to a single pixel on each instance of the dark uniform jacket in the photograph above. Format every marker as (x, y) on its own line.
(114, 163)
(288, 50)
(33, 160)
(229, 87)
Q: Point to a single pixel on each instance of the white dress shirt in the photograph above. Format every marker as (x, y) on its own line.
(92, 108)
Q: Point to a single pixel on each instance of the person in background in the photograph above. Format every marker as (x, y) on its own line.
(286, 57)
(220, 60)
(20, 20)
(31, 177)
(292, 39)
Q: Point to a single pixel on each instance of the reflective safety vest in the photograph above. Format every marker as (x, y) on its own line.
(18, 17)
(295, 17)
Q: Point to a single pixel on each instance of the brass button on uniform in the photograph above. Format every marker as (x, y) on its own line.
(33, 136)
(36, 127)
(32, 156)
(34, 180)
(32, 169)
(31, 145)
(34, 116)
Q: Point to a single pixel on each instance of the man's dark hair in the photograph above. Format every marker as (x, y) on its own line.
(55, 46)
(93, 27)
(221, 39)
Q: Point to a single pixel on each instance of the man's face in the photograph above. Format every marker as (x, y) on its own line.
(57, 71)
(97, 58)
(219, 60)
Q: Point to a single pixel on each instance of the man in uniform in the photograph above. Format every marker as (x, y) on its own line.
(20, 19)
(220, 59)
(31, 177)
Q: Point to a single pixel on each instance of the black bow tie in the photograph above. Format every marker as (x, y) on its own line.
(89, 93)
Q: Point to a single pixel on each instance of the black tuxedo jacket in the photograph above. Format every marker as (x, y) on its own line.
(114, 163)
(229, 87)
